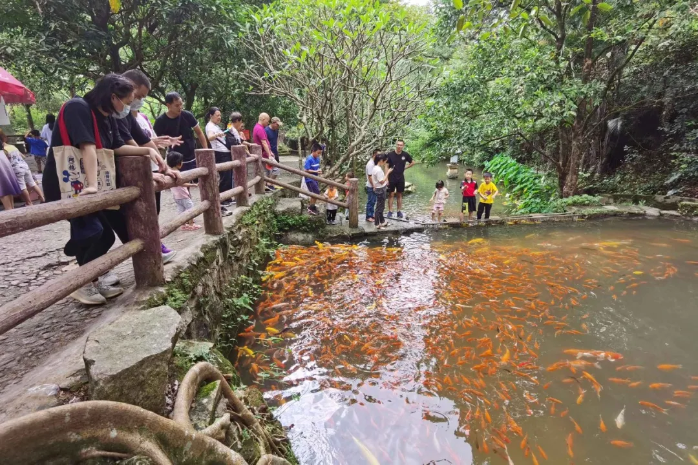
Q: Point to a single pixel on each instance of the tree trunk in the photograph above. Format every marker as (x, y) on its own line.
(30, 118)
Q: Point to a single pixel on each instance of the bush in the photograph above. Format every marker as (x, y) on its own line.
(577, 201)
(530, 191)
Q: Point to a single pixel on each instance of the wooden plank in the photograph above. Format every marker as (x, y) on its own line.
(141, 218)
(353, 201)
(32, 303)
(251, 159)
(329, 182)
(179, 220)
(24, 219)
(186, 176)
(208, 189)
(309, 194)
(228, 165)
(254, 181)
(235, 191)
(240, 175)
(258, 168)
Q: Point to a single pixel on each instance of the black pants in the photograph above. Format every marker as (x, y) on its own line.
(484, 207)
(380, 205)
(331, 215)
(225, 181)
(91, 236)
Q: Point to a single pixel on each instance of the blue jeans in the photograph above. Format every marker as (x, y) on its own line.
(371, 204)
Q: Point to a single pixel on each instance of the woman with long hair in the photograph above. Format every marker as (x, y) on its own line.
(216, 138)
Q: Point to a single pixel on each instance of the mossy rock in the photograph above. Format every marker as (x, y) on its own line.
(689, 209)
(187, 353)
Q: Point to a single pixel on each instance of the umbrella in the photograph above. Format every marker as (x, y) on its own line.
(13, 91)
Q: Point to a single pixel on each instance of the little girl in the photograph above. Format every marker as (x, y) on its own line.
(331, 194)
(181, 194)
(439, 199)
(380, 180)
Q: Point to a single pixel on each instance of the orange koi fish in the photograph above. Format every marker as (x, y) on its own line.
(570, 442)
(674, 404)
(602, 425)
(659, 385)
(652, 406)
(635, 384)
(620, 381)
(542, 453)
(669, 367)
(684, 394)
(622, 444)
(576, 426)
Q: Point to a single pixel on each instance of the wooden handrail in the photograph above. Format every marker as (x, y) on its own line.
(168, 228)
(251, 159)
(227, 165)
(229, 194)
(185, 176)
(24, 219)
(309, 194)
(31, 303)
(252, 182)
(329, 182)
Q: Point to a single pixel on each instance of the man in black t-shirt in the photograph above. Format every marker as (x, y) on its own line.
(399, 161)
(177, 122)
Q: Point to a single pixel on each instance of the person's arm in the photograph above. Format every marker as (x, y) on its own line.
(89, 159)
(496, 192)
(447, 193)
(265, 145)
(201, 136)
(432, 197)
(214, 135)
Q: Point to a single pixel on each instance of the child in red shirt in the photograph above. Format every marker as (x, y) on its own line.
(469, 187)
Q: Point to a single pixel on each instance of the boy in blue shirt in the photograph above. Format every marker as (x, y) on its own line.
(36, 146)
(312, 166)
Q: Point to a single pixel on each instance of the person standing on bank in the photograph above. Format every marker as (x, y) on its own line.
(273, 136)
(132, 133)
(176, 122)
(46, 133)
(259, 137)
(399, 161)
(370, 188)
(216, 137)
(92, 235)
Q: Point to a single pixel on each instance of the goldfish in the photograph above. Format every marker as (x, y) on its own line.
(602, 425)
(620, 381)
(652, 406)
(674, 404)
(580, 399)
(635, 384)
(570, 442)
(542, 452)
(622, 444)
(669, 367)
(620, 419)
(576, 426)
(659, 385)
(684, 394)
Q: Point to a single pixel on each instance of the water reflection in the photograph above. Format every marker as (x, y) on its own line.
(461, 345)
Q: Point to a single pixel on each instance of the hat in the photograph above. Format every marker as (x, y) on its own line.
(276, 119)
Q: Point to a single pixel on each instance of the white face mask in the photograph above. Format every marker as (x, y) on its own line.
(137, 104)
(123, 113)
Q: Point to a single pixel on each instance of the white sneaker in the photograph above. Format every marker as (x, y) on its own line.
(167, 257)
(109, 279)
(108, 291)
(89, 295)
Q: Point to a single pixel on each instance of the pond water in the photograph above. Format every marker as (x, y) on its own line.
(416, 205)
(485, 345)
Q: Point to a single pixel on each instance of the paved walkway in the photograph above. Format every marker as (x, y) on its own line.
(48, 347)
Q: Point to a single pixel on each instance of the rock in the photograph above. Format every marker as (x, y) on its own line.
(452, 172)
(127, 360)
(610, 207)
(689, 209)
(188, 353)
(652, 212)
(298, 238)
(291, 206)
(670, 213)
(203, 412)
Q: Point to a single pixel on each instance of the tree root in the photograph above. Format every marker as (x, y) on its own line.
(71, 433)
(204, 371)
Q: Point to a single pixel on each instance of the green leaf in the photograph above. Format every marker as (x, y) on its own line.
(459, 24)
(458, 4)
(605, 7)
(546, 20)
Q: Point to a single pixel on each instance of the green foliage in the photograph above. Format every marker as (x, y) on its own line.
(300, 223)
(530, 191)
(579, 200)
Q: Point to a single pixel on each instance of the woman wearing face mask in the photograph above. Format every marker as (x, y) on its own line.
(216, 137)
(91, 236)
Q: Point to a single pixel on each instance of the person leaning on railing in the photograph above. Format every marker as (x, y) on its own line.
(91, 236)
(216, 140)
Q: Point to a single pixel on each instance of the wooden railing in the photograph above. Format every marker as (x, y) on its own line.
(352, 202)
(136, 197)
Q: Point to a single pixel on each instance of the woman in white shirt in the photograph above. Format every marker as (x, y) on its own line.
(380, 182)
(216, 138)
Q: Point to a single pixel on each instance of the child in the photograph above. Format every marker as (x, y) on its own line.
(380, 182)
(439, 199)
(332, 194)
(21, 170)
(487, 192)
(312, 166)
(468, 187)
(36, 146)
(347, 177)
(181, 194)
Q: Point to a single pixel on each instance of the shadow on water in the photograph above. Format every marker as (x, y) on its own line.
(458, 346)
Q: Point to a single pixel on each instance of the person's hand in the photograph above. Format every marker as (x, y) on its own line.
(159, 178)
(176, 175)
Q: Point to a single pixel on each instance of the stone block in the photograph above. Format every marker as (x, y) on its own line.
(652, 212)
(127, 360)
(670, 213)
(203, 411)
(290, 206)
(689, 209)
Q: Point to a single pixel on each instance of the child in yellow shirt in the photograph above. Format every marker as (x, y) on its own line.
(487, 192)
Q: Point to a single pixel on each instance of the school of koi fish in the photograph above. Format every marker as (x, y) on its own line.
(469, 321)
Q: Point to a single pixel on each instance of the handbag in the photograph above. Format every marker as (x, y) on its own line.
(305, 188)
(70, 167)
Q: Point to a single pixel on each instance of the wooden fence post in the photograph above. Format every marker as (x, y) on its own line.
(141, 218)
(208, 189)
(240, 174)
(259, 168)
(353, 201)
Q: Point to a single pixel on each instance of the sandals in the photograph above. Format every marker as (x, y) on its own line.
(191, 227)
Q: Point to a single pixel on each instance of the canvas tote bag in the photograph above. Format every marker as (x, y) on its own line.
(70, 167)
